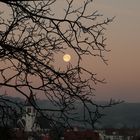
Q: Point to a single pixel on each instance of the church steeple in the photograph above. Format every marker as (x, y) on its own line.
(30, 101)
(30, 113)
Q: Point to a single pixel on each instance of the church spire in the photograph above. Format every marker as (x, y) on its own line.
(30, 115)
(30, 100)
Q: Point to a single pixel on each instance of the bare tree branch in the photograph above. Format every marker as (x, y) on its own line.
(30, 39)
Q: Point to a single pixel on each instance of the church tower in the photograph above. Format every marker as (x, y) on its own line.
(30, 115)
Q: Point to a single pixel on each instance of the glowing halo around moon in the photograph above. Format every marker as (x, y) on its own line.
(66, 57)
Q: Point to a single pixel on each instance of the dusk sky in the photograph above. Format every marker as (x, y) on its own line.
(123, 71)
(123, 39)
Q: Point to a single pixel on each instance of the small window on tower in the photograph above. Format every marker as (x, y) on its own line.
(28, 110)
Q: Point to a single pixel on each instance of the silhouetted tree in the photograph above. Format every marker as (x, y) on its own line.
(30, 38)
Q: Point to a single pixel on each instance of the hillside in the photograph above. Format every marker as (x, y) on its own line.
(121, 115)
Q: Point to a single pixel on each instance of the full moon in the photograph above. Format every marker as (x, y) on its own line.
(66, 57)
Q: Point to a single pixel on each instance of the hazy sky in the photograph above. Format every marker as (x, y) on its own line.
(123, 39)
(123, 72)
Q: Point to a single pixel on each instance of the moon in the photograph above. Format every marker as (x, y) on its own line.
(66, 57)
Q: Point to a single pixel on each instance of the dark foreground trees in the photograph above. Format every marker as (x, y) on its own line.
(31, 36)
